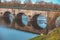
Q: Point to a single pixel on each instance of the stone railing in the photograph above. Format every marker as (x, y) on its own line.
(41, 7)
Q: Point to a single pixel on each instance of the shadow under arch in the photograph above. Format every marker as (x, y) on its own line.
(57, 22)
(8, 17)
(39, 22)
(21, 19)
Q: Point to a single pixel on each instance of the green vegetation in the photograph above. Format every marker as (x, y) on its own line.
(54, 35)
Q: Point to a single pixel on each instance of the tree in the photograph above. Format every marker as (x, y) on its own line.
(0, 1)
(16, 1)
(27, 2)
(4, 0)
(38, 1)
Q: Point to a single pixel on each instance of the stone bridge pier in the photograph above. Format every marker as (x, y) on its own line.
(53, 20)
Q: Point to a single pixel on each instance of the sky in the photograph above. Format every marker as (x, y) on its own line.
(53, 1)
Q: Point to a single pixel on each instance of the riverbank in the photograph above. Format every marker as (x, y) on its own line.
(54, 35)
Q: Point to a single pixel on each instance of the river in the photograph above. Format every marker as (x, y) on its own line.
(12, 34)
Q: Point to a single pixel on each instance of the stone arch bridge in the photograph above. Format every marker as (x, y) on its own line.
(50, 16)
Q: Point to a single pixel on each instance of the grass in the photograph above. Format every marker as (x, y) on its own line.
(54, 35)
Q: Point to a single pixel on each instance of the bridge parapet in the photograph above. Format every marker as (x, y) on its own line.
(42, 7)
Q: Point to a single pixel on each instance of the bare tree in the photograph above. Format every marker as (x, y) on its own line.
(4, 0)
(16, 1)
(27, 2)
(38, 1)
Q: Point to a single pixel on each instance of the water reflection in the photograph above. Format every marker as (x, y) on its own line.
(41, 21)
(8, 17)
(21, 19)
(11, 17)
(12, 34)
(24, 19)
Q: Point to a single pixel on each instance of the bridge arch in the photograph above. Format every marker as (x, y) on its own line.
(8, 17)
(57, 22)
(39, 21)
(21, 19)
(57, 15)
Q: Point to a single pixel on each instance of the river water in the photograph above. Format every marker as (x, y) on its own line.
(12, 34)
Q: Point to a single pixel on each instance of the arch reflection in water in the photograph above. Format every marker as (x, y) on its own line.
(8, 17)
(21, 19)
(24, 19)
(11, 17)
(41, 21)
(58, 21)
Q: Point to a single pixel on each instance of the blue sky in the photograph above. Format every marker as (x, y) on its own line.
(54, 1)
